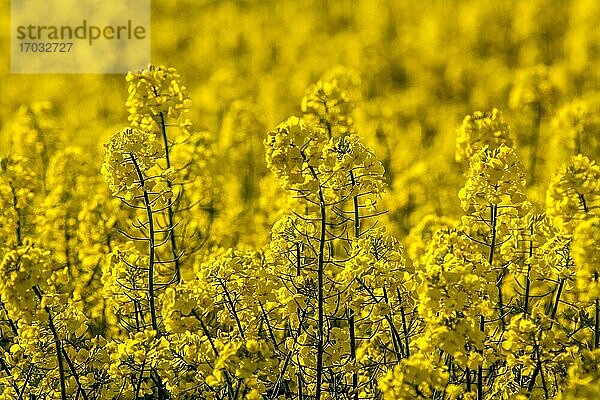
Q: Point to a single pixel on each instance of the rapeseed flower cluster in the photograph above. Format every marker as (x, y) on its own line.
(304, 230)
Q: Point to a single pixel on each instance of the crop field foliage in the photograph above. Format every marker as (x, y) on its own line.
(310, 200)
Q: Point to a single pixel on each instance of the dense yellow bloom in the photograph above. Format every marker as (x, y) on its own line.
(577, 129)
(130, 161)
(304, 159)
(155, 93)
(292, 149)
(455, 293)
(134, 362)
(481, 129)
(418, 239)
(18, 187)
(329, 256)
(573, 193)
(587, 257)
(495, 177)
(415, 378)
(329, 103)
(34, 134)
(23, 269)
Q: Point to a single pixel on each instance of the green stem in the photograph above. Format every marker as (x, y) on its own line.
(151, 247)
(268, 323)
(300, 393)
(59, 354)
(353, 352)
(395, 335)
(480, 368)
(557, 300)
(8, 374)
(389, 318)
(468, 377)
(356, 208)
(527, 291)
(321, 297)
(26, 382)
(75, 374)
(351, 311)
(596, 342)
(18, 211)
(139, 382)
(597, 317)
(11, 323)
(286, 363)
(214, 349)
(584, 203)
(163, 129)
(233, 310)
(538, 366)
(494, 221)
(528, 278)
(405, 329)
(298, 260)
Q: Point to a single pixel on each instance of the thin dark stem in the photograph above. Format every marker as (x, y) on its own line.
(584, 203)
(18, 221)
(538, 366)
(356, 208)
(163, 129)
(269, 328)
(480, 368)
(395, 335)
(405, 331)
(321, 300)
(151, 247)
(597, 317)
(59, 354)
(233, 310)
(399, 349)
(27, 378)
(350, 311)
(298, 260)
(5, 368)
(528, 278)
(74, 373)
(557, 300)
(139, 382)
(353, 352)
(214, 349)
(596, 342)
(300, 393)
(468, 377)
(494, 221)
(11, 323)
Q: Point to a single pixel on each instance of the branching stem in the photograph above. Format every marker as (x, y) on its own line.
(151, 246)
(59, 354)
